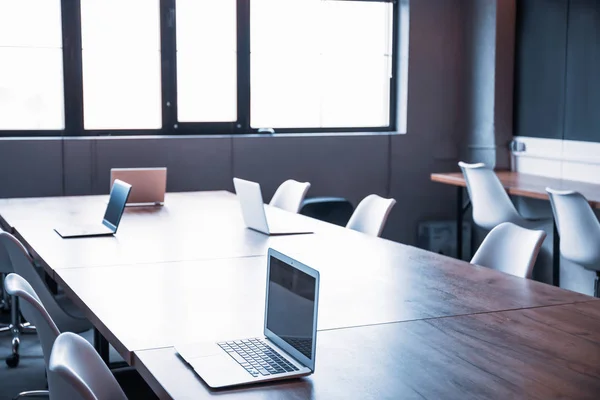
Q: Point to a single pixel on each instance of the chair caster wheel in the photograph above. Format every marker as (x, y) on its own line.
(12, 361)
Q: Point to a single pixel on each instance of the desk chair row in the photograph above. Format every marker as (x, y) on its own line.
(578, 227)
(14, 258)
(508, 248)
(73, 367)
(369, 217)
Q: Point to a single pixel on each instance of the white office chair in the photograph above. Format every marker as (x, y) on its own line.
(22, 264)
(82, 373)
(491, 204)
(579, 230)
(16, 326)
(33, 309)
(5, 268)
(371, 214)
(510, 249)
(289, 195)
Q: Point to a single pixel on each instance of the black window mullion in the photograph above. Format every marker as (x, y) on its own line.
(72, 67)
(393, 122)
(168, 47)
(243, 66)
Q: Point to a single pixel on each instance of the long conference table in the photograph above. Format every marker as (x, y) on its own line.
(394, 321)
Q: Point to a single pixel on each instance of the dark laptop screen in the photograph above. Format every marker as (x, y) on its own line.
(291, 305)
(116, 203)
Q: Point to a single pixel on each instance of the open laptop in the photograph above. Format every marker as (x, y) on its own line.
(290, 330)
(255, 216)
(148, 185)
(114, 210)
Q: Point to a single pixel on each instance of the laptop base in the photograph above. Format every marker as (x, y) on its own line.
(219, 370)
(83, 231)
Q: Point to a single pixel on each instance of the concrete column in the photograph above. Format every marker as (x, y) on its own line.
(489, 43)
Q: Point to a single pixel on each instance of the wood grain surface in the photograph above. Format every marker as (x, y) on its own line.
(162, 304)
(527, 185)
(540, 353)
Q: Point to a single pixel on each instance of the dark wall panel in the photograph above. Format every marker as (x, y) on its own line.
(193, 163)
(540, 68)
(583, 72)
(347, 166)
(31, 168)
(78, 162)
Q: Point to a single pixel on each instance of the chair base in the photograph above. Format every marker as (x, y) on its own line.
(597, 285)
(17, 328)
(33, 393)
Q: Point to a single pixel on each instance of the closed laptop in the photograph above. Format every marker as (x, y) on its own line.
(148, 185)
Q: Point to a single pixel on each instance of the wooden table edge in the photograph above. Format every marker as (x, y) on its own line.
(442, 177)
(96, 322)
(147, 376)
(455, 179)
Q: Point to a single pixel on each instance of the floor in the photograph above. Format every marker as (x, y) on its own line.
(30, 374)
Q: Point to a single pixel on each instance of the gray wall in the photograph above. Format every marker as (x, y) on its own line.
(558, 85)
(351, 166)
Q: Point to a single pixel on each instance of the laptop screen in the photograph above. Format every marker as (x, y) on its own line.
(116, 203)
(291, 306)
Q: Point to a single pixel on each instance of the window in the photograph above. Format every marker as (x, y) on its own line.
(31, 65)
(121, 64)
(320, 63)
(206, 60)
(122, 67)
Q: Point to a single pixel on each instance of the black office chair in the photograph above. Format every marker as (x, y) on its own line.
(335, 210)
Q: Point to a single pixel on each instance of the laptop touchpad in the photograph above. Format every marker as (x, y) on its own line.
(196, 350)
(220, 370)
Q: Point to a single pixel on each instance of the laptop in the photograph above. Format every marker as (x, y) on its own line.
(112, 216)
(288, 347)
(255, 216)
(148, 184)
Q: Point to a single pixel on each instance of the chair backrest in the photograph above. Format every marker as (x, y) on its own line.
(5, 264)
(335, 210)
(23, 265)
(289, 195)
(34, 311)
(510, 249)
(491, 204)
(578, 228)
(371, 214)
(75, 362)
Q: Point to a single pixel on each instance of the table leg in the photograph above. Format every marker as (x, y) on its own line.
(51, 283)
(101, 345)
(597, 285)
(459, 222)
(555, 255)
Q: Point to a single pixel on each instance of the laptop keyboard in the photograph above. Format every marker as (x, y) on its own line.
(257, 357)
(304, 346)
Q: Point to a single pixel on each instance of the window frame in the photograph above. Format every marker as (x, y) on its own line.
(73, 82)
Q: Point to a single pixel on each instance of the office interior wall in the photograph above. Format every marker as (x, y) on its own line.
(557, 95)
(349, 166)
(558, 85)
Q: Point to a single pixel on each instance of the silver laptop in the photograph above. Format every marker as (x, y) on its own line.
(112, 216)
(255, 217)
(290, 330)
(148, 185)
